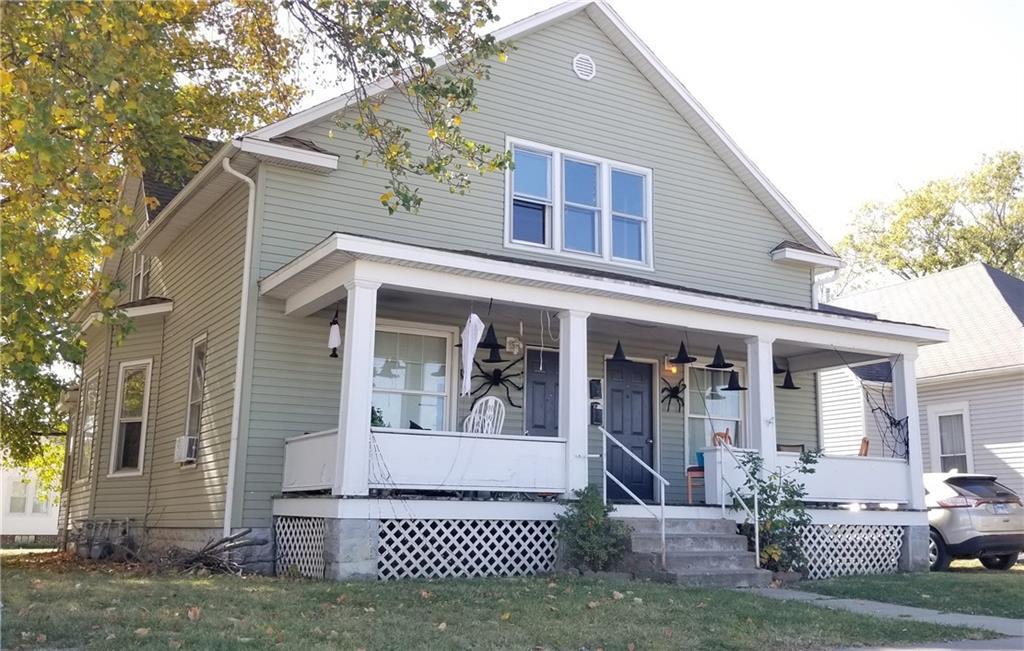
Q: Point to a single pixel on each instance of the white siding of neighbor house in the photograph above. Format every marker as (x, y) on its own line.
(996, 407)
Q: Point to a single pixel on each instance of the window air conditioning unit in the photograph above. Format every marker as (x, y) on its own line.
(185, 448)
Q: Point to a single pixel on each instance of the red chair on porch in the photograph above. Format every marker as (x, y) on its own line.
(697, 472)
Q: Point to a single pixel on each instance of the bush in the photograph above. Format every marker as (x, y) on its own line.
(781, 510)
(591, 539)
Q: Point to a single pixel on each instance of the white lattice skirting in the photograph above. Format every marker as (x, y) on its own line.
(300, 546)
(465, 548)
(841, 549)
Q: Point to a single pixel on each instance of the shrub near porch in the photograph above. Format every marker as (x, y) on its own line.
(48, 605)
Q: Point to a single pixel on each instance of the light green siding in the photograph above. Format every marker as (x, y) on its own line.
(796, 412)
(710, 232)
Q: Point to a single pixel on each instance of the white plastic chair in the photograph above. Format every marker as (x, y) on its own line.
(487, 416)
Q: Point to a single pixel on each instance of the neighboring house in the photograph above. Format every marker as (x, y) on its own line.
(970, 389)
(630, 218)
(29, 510)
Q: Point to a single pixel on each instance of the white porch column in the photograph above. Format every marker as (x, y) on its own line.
(761, 398)
(904, 388)
(573, 403)
(353, 452)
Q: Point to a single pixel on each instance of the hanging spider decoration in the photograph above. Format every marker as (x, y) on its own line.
(673, 394)
(497, 377)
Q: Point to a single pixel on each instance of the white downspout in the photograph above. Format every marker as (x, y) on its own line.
(236, 405)
(819, 281)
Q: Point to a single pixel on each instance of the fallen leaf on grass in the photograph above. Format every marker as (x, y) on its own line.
(552, 585)
(442, 626)
(637, 600)
(194, 613)
(426, 594)
(341, 599)
(41, 638)
(141, 632)
(369, 609)
(630, 647)
(616, 595)
(174, 644)
(701, 605)
(505, 617)
(592, 604)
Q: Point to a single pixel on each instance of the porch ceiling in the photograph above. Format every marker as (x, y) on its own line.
(317, 278)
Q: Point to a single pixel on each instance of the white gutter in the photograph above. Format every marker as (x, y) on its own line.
(236, 405)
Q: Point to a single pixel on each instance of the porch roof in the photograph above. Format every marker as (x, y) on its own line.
(339, 249)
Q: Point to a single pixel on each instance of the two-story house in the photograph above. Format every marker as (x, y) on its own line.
(630, 225)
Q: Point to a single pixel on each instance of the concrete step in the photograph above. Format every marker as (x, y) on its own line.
(680, 525)
(708, 561)
(686, 542)
(749, 578)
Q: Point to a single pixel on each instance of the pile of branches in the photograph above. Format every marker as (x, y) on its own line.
(215, 556)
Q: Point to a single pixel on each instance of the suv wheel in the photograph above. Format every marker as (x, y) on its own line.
(1004, 562)
(938, 557)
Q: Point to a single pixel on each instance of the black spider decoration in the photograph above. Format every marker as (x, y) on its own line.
(497, 377)
(673, 394)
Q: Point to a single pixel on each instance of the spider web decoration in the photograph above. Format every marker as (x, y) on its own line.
(893, 432)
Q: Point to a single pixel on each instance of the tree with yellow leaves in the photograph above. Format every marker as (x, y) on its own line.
(93, 91)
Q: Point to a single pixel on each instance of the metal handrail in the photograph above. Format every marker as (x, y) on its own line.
(753, 514)
(662, 484)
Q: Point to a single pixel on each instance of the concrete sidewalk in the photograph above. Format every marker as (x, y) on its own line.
(1012, 628)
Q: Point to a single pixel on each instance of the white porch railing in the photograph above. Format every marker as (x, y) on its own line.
(433, 460)
(755, 513)
(662, 484)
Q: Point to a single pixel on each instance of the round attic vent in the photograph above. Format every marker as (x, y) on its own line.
(584, 67)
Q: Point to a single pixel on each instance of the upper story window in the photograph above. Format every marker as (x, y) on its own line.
(140, 277)
(578, 205)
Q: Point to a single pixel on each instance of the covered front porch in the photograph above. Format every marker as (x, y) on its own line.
(591, 381)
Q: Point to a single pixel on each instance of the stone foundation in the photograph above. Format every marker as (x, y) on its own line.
(350, 549)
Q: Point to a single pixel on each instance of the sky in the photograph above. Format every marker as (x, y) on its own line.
(841, 102)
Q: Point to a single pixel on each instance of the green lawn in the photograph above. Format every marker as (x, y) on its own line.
(966, 588)
(56, 603)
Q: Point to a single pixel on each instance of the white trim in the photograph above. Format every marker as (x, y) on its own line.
(1014, 370)
(399, 509)
(962, 409)
(816, 260)
(274, 152)
(115, 439)
(648, 64)
(450, 334)
(555, 217)
(288, 280)
(96, 318)
(199, 339)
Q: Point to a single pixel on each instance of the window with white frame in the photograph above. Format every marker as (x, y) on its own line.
(579, 205)
(196, 387)
(950, 430)
(17, 500)
(41, 504)
(130, 417)
(88, 421)
(140, 277)
(411, 386)
(711, 409)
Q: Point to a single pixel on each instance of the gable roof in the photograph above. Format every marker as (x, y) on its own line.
(982, 307)
(656, 73)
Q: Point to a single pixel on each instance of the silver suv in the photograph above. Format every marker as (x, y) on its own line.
(973, 516)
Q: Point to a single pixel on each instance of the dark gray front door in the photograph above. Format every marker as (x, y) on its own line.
(541, 402)
(630, 420)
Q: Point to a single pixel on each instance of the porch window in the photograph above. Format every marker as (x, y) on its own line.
(410, 379)
(130, 421)
(578, 205)
(87, 419)
(711, 410)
